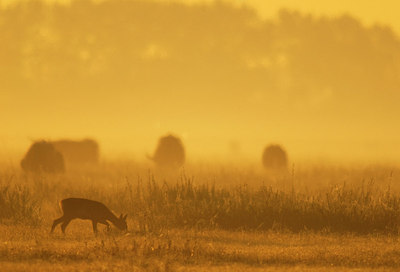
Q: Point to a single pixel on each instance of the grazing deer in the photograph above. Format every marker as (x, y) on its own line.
(73, 208)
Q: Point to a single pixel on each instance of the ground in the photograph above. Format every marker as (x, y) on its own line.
(34, 249)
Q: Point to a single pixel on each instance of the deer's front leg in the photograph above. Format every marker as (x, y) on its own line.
(94, 224)
(104, 222)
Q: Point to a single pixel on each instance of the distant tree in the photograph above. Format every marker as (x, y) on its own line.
(43, 157)
(224, 54)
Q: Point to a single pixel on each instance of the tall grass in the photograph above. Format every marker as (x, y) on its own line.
(18, 205)
(154, 204)
(340, 209)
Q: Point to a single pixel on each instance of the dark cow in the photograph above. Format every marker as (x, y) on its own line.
(42, 157)
(169, 153)
(78, 152)
(275, 158)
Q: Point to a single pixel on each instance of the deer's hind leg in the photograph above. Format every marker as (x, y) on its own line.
(56, 222)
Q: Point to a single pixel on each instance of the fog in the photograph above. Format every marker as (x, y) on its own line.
(225, 79)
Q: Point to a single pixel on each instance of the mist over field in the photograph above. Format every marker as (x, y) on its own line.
(219, 75)
(199, 135)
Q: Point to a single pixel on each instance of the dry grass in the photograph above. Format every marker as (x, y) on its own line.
(29, 248)
(341, 219)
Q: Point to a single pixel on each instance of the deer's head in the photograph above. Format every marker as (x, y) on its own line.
(121, 222)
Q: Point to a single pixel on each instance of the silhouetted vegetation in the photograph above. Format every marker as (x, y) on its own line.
(340, 209)
(19, 205)
(154, 205)
(42, 157)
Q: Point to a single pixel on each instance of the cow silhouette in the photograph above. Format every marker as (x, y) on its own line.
(42, 157)
(274, 158)
(170, 153)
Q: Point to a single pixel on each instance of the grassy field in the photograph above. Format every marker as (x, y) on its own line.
(33, 249)
(219, 218)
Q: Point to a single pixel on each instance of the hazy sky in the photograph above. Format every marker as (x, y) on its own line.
(336, 109)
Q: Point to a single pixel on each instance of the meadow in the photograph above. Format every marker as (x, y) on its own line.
(206, 217)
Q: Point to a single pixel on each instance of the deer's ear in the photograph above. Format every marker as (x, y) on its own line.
(120, 217)
(125, 216)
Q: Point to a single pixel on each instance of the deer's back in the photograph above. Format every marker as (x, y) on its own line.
(84, 209)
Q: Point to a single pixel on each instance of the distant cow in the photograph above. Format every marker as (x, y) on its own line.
(43, 157)
(275, 158)
(169, 153)
(78, 152)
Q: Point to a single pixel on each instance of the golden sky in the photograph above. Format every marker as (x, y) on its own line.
(238, 90)
(370, 12)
